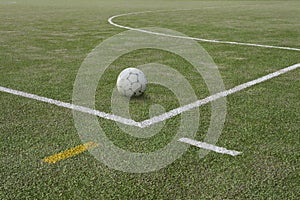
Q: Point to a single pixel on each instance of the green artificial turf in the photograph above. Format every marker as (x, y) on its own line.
(42, 46)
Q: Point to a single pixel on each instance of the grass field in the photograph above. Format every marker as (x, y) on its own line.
(42, 46)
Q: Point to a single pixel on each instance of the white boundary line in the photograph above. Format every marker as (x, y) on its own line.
(211, 147)
(71, 106)
(8, 3)
(216, 96)
(156, 119)
(110, 20)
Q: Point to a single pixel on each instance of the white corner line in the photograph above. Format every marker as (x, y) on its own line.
(156, 119)
(214, 97)
(72, 107)
(110, 20)
(210, 147)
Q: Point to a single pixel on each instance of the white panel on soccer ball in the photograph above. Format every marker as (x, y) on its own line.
(136, 88)
(129, 93)
(133, 77)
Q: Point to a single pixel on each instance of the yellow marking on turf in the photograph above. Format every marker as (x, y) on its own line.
(70, 152)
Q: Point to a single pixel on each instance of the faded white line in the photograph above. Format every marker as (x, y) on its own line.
(72, 106)
(156, 119)
(7, 3)
(215, 97)
(110, 20)
(211, 147)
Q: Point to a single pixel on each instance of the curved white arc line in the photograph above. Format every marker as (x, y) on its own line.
(110, 20)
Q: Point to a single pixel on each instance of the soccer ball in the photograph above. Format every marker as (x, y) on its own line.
(131, 82)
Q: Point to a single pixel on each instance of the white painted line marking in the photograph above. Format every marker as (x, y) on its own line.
(214, 97)
(110, 20)
(211, 147)
(13, 2)
(71, 106)
(158, 118)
